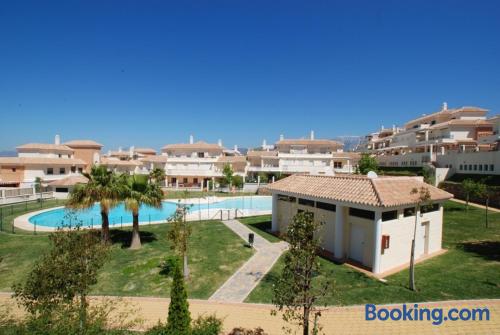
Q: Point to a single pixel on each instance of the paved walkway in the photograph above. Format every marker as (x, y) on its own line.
(335, 320)
(243, 281)
(493, 209)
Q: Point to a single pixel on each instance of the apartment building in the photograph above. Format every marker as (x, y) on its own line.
(49, 162)
(309, 156)
(456, 138)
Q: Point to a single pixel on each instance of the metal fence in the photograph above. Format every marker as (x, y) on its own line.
(9, 211)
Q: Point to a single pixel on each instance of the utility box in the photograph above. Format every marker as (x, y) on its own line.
(251, 237)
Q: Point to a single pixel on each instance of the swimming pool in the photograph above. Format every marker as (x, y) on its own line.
(119, 215)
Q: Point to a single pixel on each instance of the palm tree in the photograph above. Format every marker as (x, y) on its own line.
(104, 188)
(157, 175)
(140, 190)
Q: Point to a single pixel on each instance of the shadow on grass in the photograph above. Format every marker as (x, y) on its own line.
(124, 237)
(489, 250)
(264, 226)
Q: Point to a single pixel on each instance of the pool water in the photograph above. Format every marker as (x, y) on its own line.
(119, 215)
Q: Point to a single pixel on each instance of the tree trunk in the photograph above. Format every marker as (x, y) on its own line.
(487, 203)
(136, 237)
(83, 312)
(305, 321)
(105, 227)
(185, 267)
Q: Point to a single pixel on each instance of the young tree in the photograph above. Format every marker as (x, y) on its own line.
(238, 181)
(481, 191)
(469, 186)
(366, 164)
(179, 318)
(63, 276)
(228, 175)
(103, 187)
(157, 176)
(139, 191)
(423, 198)
(179, 235)
(295, 294)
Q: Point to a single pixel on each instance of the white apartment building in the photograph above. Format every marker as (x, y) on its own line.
(49, 162)
(310, 156)
(195, 164)
(456, 139)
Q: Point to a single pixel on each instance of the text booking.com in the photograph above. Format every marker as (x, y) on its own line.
(414, 312)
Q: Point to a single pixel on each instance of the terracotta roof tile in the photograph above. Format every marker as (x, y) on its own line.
(117, 162)
(193, 146)
(83, 144)
(44, 147)
(378, 192)
(69, 181)
(154, 159)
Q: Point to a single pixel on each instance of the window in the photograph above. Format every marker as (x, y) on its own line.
(461, 167)
(50, 171)
(62, 170)
(361, 213)
(326, 206)
(60, 156)
(480, 167)
(62, 189)
(306, 202)
(174, 180)
(492, 167)
(195, 180)
(73, 169)
(429, 208)
(201, 154)
(475, 167)
(286, 198)
(485, 167)
(13, 169)
(465, 167)
(470, 167)
(184, 180)
(390, 215)
(80, 170)
(337, 165)
(410, 211)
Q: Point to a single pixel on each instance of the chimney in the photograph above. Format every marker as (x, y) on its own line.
(236, 147)
(131, 151)
(57, 140)
(119, 149)
(312, 134)
(282, 137)
(109, 153)
(393, 127)
(382, 127)
(191, 139)
(445, 106)
(219, 142)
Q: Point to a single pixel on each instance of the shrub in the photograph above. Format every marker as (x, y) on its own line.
(207, 325)
(243, 331)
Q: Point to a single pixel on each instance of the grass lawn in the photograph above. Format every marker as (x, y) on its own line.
(9, 212)
(260, 225)
(215, 253)
(470, 269)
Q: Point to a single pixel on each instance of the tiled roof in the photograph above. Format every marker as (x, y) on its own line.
(117, 162)
(119, 153)
(40, 161)
(232, 159)
(193, 146)
(83, 144)
(69, 181)
(154, 159)
(378, 192)
(145, 150)
(44, 147)
(309, 142)
(459, 122)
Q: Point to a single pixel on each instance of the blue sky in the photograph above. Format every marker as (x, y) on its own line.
(147, 73)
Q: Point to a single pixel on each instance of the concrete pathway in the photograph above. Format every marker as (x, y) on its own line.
(243, 281)
(335, 320)
(493, 209)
